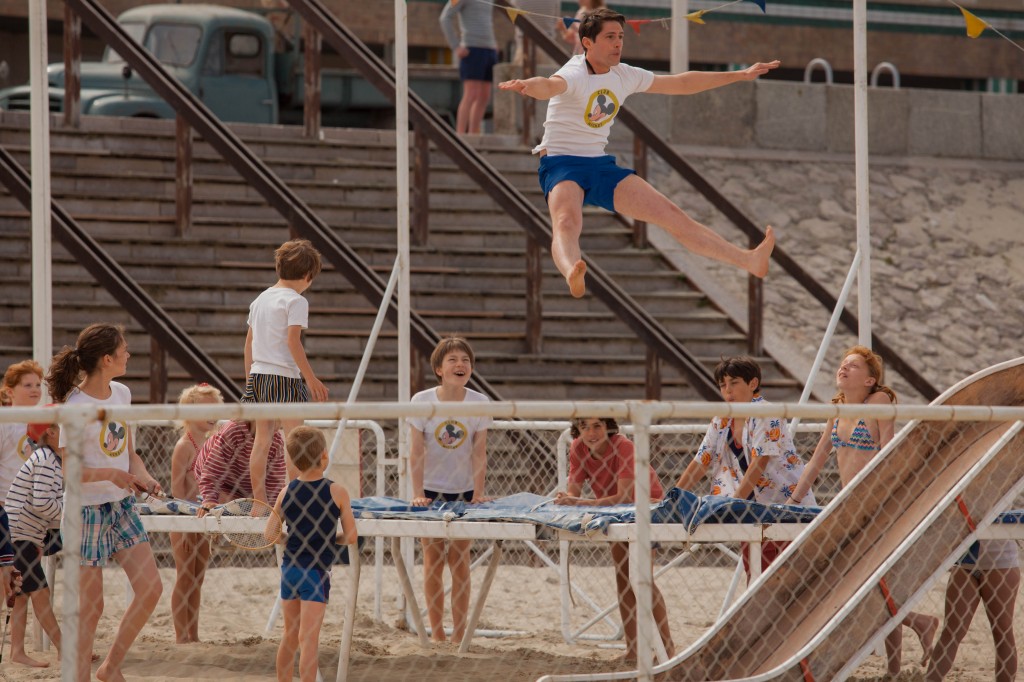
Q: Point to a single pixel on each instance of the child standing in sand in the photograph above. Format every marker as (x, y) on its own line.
(312, 506)
(191, 550)
(856, 442)
(600, 455)
(112, 472)
(448, 461)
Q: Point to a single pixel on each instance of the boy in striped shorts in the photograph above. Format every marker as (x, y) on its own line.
(275, 361)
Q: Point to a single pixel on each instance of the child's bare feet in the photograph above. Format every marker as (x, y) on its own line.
(577, 279)
(24, 659)
(108, 673)
(761, 255)
(927, 636)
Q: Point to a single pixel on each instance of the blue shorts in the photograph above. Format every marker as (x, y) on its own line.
(478, 65)
(109, 528)
(597, 176)
(273, 388)
(306, 584)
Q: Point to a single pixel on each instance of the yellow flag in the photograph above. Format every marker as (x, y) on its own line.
(513, 13)
(695, 17)
(975, 26)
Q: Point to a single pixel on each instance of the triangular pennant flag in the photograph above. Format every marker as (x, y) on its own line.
(513, 13)
(975, 26)
(695, 17)
(759, 3)
(455, 2)
(568, 21)
(635, 24)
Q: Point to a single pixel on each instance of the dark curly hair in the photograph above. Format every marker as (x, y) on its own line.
(609, 423)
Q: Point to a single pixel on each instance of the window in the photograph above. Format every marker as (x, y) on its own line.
(174, 44)
(135, 31)
(244, 54)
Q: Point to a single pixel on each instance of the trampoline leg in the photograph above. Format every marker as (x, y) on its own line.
(410, 596)
(481, 597)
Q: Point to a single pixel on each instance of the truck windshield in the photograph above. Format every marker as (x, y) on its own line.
(172, 44)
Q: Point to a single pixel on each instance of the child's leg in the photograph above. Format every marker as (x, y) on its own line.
(181, 549)
(258, 459)
(661, 617)
(635, 198)
(458, 564)
(998, 590)
(961, 601)
(288, 425)
(433, 586)
(627, 600)
(925, 627)
(894, 651)
(19, 621)
(291, 609)
(44, 614)
(200, 561)
(311, 618)
(90, 608)
(144, 578)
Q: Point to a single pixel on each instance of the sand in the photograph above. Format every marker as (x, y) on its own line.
(524, 600)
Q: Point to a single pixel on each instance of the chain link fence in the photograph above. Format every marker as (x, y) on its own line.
(553, 606)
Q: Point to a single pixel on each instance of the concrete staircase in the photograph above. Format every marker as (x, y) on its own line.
(116, 177)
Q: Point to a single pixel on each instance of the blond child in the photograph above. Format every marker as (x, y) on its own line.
(35, 504)
(448, 461)
(111, 473)
(191, 550)
(276, 366)
(312, 507)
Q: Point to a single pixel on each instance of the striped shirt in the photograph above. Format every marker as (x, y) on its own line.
(222, 464)
(475, 22)
(36, 499)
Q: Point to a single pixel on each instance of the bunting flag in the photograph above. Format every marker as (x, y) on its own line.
(569, 21)
(635, 24)
(760, 3)
(513, 13)
(975, 26)
(695, 17)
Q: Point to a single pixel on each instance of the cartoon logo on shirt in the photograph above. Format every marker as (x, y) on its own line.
(601, 108)
(113, 438)
(25, 447)
(450, 434)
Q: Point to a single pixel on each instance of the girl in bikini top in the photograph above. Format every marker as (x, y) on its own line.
(860, 438)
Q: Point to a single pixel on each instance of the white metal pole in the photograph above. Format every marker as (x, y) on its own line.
(42, 313)
(680, 37)
(860, 129)
(402, 215)
(641, 571)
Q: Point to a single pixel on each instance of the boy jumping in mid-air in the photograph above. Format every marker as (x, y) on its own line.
(275, 361)
(586, 95)
(312, 507)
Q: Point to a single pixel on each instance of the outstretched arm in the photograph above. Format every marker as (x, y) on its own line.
(537, 87)
(692, 82)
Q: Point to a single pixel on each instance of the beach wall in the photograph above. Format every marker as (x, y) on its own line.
(816, 117)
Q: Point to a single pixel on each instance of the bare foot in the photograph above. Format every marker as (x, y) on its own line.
(25, 659)
(927, 637)
(108, 673)
(762, 254)
(576, 279)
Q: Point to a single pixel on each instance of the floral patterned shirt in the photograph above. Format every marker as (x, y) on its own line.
(762, 437)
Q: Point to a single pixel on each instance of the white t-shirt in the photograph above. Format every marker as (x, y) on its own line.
(15, 448)
(447, 460)
(580, 119)
(106, 444)
(270, 315)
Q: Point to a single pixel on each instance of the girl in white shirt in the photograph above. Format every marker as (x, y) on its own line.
(112, 472)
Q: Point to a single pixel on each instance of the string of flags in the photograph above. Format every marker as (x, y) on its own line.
(975, 25)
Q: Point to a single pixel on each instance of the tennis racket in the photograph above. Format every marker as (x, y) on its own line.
(248, 523)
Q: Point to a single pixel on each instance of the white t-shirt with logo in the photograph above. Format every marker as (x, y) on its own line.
(106, 444)
(270, 315)
(448, 452)
(580, 119)
(15, 448)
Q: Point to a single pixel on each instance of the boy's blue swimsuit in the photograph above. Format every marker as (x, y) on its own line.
(310, 550)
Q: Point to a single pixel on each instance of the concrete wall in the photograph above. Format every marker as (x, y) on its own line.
(818, 117)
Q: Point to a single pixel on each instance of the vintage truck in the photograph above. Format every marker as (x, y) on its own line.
(227, 58)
